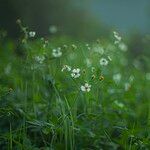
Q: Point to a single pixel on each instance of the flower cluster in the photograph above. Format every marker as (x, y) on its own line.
(57, 52)
(117, 37)
(39, 59)
(32, 34)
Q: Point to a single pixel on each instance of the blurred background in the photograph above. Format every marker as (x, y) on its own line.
(78, 18)
(84, 20)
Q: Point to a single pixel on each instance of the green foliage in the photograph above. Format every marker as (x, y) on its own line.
(43, 106)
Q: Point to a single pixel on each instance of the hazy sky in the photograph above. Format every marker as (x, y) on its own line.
(125, 15)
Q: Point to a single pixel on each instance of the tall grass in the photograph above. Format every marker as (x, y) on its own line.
(45, 105)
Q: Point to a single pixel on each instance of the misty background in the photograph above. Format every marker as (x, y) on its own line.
(77, 18)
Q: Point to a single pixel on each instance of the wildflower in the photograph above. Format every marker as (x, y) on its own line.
(111, 91)
(98, 49)
(8, 69)
(45, 43)
(88, 62)
(123, 47)
(86, 87)
(10, 89)
(119, 104)
(117, 77)
(74, 46)
(32, 34)
(34, 66)
(66, 67)
(88, 47)
(93, 69)
(103, 62)
(117, 37)
(131, 78)
(75, 73)
(18, 21)
(52, 29)
(65, 46)
(72, 56)
(40, 59)
(57, 52)
(98, 41)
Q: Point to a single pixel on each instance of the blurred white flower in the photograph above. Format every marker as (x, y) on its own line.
(32, 34)
(74, 46)
(7, 70)
(98, 49)
(103, 62)
(111, 91)
(147, 76)
(117, 77)
(52, 29)
(93, 69)
(66, 67)
(123, 47)
(57, 52)
(86, 87)
(39, 59)
(119, 104)
(127, 86)
(72, 56)
(75, 73)
(88, 62)
(88, 47)
(117, 37)
(131, 78)
(137, 64)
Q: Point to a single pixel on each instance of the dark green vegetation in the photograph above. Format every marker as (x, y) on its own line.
(43, 107)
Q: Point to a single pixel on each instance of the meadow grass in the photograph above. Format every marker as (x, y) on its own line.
(60, 94)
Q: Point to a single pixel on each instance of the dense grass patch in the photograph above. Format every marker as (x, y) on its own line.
(61, 94)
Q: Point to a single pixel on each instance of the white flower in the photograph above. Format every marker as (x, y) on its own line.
(8, 68)
(93, 69)
(98, 49)
(75, 73)
(131, 78)
(123, 47)
(74, 46)
(66, 67)
(52, 29)
(86, 87)
(117, 77)
(117, 37)
(88, 62)
(119, 104)
(147, 76)
(57, 52)
(39, 59)
(103, 62)
(88, 47)
(32, 34)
